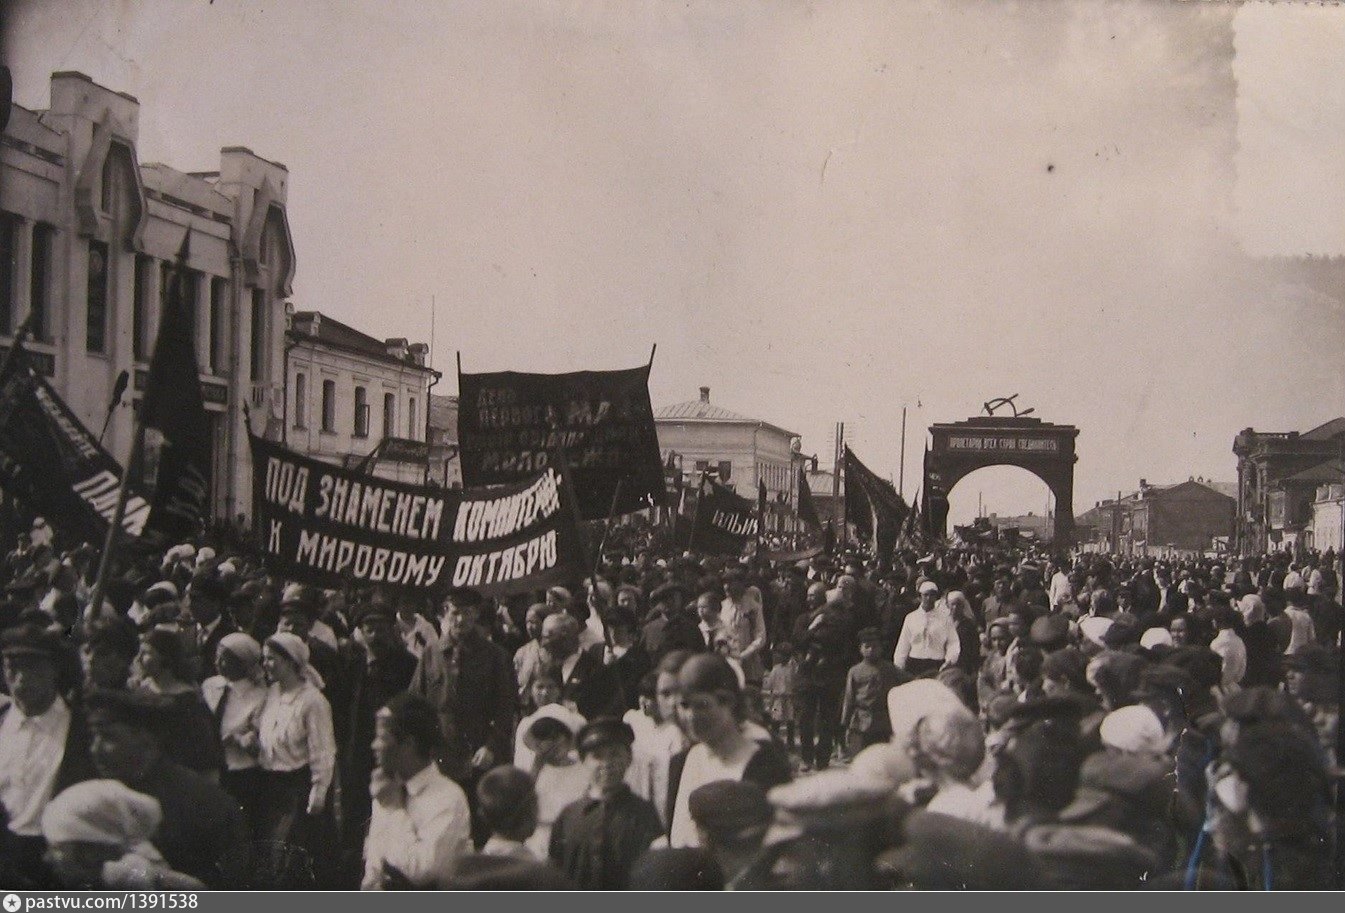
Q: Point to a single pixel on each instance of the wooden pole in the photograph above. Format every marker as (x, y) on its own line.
(901, 470)
(114, 529)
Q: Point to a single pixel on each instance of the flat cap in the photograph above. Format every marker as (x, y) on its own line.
(730, 807)
(604, 731)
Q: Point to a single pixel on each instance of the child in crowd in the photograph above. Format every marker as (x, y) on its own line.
(507, 803)
(597, 838)
(864, 717)
(777, 692)
(545, 693)
(559, 776)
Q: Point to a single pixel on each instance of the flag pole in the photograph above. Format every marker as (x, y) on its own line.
(20, 337)
(114, 528)
(901, 470)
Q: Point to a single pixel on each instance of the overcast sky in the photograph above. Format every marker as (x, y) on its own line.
(823, 211)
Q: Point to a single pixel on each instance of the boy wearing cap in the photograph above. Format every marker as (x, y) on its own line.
(597, 839)
(864, 716)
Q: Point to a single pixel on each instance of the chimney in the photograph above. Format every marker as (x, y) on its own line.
(705, 394)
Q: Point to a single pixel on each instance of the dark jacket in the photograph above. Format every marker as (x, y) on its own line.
(210, 646)
(367, 687)
(596, 841)
(203, 832)
(473, 687)
(590, 686)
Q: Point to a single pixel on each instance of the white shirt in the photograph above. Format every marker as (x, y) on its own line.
(424, 838)
(701, 768)
(508, 849)
(651, 758)
(1061, 591)
(928, 635)
(242, 716)
(977, 805)
(31, 751)
(295, 730)
(1234, 654)
(1302, 631)
(557, 787)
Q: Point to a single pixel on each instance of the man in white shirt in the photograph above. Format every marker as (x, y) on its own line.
(928, 640)
(421, 823)
(37, 757)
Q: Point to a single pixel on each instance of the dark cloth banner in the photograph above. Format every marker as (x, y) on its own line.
(510, 423)
(725, 521)
(807, 508)
(176, 455)
(50, 462)
(322, 524)
(872, 504)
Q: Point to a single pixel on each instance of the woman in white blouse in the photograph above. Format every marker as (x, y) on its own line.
(235, 697)
(296, 751)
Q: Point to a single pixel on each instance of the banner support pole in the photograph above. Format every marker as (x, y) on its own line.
(114, 528)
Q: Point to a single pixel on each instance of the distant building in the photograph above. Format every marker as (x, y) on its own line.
(88, 239)
(699, 436)
(349, 394)
(1275, 498)
(1184, 518)
(1328, 518)
(1030, 526)
(445, 465)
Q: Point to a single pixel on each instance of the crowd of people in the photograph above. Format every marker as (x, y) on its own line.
(969, 718)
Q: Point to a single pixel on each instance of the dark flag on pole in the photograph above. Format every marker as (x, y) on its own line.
(807, 509)
(761, 506)
(175, 462)
(54, 465)
(872, 504)
(725, 521)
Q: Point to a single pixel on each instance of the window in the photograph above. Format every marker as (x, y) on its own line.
(361, 412)
(389, 415)
(329, 405)
(40, 284)
(412, 423)
(725, 470)
(702, 466)
(9, 252)
(258, 342)
(140, 318)
(95, 310)
(300, 400)
(217, 348)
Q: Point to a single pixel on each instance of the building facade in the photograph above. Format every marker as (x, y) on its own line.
(88, 237)
(698, 436)
(349, 394)
(1328, 518)
(1273, 507)
(1188, 518)
(444, 459)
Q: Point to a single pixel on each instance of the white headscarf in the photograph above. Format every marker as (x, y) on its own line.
(293, 646)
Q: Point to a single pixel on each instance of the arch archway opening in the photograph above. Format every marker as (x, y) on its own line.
(1006, 497)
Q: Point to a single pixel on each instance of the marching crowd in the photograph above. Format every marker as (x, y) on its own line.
(975, 718)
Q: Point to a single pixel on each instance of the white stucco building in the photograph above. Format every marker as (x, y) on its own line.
(348, 393)
(88, 235)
